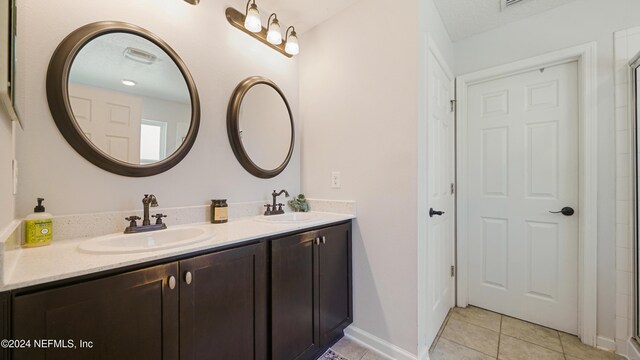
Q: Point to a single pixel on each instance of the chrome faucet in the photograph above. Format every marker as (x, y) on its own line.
(148, 201)
(271, 208)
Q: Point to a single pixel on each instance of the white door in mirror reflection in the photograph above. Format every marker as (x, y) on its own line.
(265, 127)
(109, 119)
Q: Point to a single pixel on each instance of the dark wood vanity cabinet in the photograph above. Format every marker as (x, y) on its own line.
(128, 316)
(219, 312)
(311, 287)
(213, 306)
(223, 308)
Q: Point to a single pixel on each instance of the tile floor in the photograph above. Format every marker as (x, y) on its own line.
(474, 333)
(477, 334)
(349, 350)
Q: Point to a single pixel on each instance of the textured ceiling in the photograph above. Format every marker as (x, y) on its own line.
(464, 18)
(101, 63)
(303, 14)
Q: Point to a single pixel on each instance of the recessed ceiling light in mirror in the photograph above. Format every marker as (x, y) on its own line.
(129, 82)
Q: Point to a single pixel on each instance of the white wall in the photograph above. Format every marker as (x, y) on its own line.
(575, 23)
(358, 104)
(218, 55)
(7, 200)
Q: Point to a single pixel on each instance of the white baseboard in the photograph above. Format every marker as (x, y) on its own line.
(424, 354)
(374, 343)
(604, 343)
(633, 353)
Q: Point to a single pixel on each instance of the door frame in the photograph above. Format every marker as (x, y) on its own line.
(586, 56)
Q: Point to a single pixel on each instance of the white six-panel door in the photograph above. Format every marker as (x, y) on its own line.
(110, 119)
(441, 175)
(522, 164)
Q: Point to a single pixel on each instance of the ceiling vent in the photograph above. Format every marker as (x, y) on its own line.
(507, 3)
(140, 56)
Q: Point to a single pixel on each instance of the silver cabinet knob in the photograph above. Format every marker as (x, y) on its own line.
(188, 277)
(324, 240)
(172, 282)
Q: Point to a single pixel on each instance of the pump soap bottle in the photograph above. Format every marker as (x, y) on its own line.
(38, 227)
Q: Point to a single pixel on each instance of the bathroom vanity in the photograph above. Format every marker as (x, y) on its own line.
(284, 295)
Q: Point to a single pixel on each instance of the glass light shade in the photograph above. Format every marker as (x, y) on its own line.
(252, 20)
(292, 47)
(274, 35)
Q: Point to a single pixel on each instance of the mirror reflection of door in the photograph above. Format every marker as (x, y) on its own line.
(111, 120)
(129, 98)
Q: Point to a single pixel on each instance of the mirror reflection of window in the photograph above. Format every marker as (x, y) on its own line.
(153, 141)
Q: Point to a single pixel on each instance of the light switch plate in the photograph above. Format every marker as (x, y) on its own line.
(335, 180)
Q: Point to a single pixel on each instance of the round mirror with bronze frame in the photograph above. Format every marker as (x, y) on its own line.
(260, 127)
(58, 96)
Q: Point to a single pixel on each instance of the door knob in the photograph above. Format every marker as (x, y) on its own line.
(566, 211)
(435, 212)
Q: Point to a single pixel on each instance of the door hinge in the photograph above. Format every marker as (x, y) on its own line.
(453, 188)
(453, 105)
(453, 270)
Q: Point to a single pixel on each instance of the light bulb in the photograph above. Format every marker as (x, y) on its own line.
(252, 20)
(292, 47)
(274, 35)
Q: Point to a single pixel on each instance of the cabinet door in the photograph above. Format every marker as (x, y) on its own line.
(5, 322)
(335, 282)
(128, 316)
(294, 302)
(223, 308)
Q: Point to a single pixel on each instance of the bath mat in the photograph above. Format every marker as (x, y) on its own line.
(331, 355)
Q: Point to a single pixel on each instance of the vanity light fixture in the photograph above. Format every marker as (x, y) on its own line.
(292, 47)
(129, 82)
(252, 20)
(250, 24)
(274, 34)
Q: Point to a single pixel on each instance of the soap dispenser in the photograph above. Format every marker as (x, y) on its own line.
(38, 227)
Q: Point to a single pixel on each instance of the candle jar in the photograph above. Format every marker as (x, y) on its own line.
(219, 211)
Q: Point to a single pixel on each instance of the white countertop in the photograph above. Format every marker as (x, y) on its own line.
(63, 260)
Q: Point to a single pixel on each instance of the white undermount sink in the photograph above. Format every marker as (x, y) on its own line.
(148, 241)
(289, 218)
